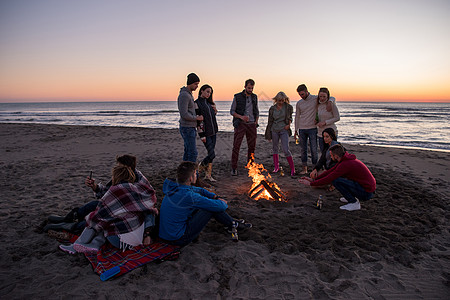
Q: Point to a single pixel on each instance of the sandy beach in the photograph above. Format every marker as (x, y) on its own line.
(396, 247)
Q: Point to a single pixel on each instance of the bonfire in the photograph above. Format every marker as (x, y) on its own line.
(263, 186)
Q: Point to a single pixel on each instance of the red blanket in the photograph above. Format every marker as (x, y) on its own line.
(109, 257)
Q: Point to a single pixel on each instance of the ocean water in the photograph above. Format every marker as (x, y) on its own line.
(416, 125)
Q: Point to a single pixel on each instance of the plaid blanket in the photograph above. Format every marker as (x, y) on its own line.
(109, 257)
(123, 207)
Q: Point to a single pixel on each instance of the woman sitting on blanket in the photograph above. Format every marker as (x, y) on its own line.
(75, 221)
(126, 209)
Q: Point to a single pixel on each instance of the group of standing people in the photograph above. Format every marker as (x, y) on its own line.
(313, 115)
(315, 118)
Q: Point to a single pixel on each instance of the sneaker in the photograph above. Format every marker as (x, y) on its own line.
(343, 200)
(351, 206)
(228, 229)
(241, 225)
(234, 172)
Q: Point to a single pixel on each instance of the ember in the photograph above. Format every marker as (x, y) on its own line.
(263, 187)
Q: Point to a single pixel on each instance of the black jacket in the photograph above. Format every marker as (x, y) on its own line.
(241, 101)
(209, 116)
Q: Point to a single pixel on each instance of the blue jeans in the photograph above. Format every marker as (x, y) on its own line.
(198, 221)
(210, 146)
(321, 143)
(283, 135)
(82, 212)
(351, 189)
(189, 135)
(304, 135)
(149, 222)
(87, 208)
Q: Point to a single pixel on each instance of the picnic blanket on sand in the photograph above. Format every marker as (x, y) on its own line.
(109, 257)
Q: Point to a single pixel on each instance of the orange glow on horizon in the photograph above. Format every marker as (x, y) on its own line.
(166, 89)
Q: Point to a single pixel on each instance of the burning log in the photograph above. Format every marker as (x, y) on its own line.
(254, 189)
(283, 196)
(270, 190)
(256, 195)
(263, 187)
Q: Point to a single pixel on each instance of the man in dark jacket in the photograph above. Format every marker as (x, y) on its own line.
(349, 176)
(245, 112)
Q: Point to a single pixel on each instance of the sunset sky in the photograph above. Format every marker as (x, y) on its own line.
(85, 50)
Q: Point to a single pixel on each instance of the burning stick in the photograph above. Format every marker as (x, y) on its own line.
(257, 194)
(254, 189)
(271, 191)
(263, 187)
(283, 196)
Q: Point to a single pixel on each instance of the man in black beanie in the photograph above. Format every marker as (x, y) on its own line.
(188, 117)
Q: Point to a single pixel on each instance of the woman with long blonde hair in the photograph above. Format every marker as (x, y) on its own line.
(279, 129)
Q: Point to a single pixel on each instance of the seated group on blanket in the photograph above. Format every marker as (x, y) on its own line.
(125, 214)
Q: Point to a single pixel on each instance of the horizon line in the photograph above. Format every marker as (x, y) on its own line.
(98, 100)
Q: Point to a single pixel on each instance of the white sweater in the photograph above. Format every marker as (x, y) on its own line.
(305, 113)
(329, 117)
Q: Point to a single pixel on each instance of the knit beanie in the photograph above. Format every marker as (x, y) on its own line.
(192, 78)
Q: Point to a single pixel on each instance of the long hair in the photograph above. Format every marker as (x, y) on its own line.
(331, 133)
(127, 160)
(204, 87)
(121, 173)
(323, 90)
(280, 95)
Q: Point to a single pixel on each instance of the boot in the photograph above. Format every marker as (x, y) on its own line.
(276, 164)
(208, 173)
(68, 249)
(291, 165)
(201, 183)
(87, 235)
(202, 168)
(71, 217)
(304, 170)
(92, 246)
(60, 226)
(56, 219)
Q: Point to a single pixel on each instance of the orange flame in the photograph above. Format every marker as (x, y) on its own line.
(255, 171)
